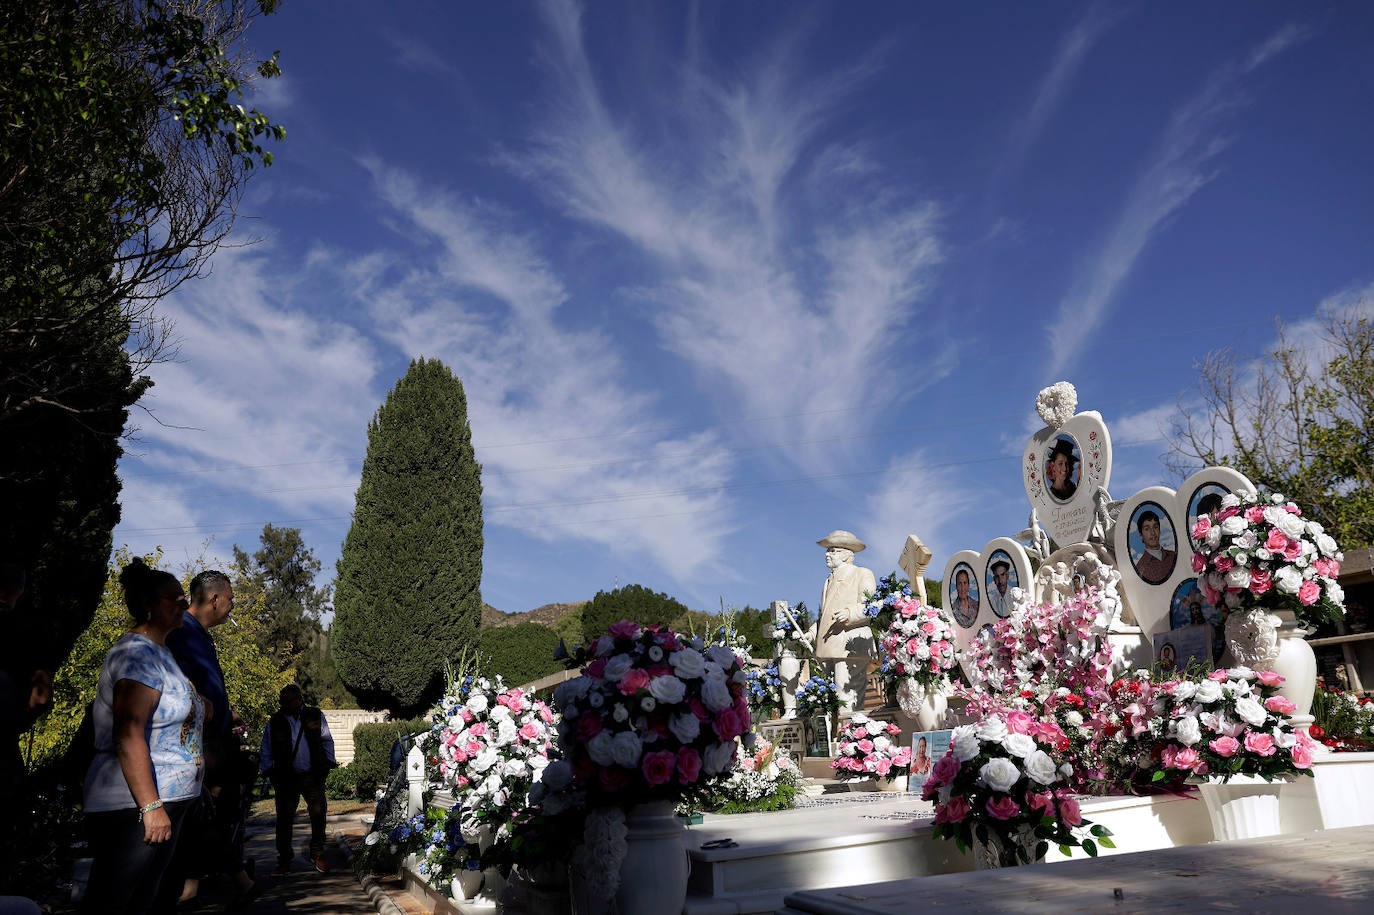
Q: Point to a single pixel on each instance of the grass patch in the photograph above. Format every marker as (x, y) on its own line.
(266, 809)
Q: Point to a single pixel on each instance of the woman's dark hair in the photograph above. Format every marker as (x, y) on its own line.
(141, 583)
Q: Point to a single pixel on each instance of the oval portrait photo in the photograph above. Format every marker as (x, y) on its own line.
(963, 595)
(1062, 463)
(999, 579)
(1154, 551)
(1205, 500)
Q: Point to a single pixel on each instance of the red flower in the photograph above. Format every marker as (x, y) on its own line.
(1316, 731)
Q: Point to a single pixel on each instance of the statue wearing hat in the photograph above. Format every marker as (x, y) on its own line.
(842, 638)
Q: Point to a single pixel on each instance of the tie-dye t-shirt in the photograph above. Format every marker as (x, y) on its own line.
(173, 731)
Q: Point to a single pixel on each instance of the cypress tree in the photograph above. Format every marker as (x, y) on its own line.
(408, 593)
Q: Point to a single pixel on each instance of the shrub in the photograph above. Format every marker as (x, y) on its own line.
(341, 784)
(372, 752)
(632, 602)
(519, 654)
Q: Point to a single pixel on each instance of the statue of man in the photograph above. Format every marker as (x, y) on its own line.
(842, 637)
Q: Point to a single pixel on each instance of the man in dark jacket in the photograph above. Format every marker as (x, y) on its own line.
(297, 753)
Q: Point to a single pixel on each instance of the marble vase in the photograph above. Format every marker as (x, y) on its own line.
(653, 874)
(1276, 641)
(996, 852)
(1246, 807)
(466, 884)
(896, 783)
(789, 671)
(926, 705)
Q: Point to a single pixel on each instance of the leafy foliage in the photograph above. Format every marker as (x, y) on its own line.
(632, 602)
(372, 751)
(408, 592)
(519, 654)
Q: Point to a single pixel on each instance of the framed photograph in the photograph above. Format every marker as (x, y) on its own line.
(962, 589)
(1062, 463)
(1190, 607)
(1177, 648)
(1205, 500)
(1152, 543)
(926, 747)
(999, 578)
(816, 736)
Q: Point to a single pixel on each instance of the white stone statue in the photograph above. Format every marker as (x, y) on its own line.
(842, 638)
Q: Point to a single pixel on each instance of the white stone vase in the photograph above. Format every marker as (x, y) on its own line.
(896, 783)
(1276, 641)
(493, 884)
(653, 876)
(994, 853)
(466, 884)
(1246, 807)
(927, 706)
(789, 671)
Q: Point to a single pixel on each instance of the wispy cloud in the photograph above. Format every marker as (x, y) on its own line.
(773, 316)
(414, 54)
(1183, 163)
(912, 498)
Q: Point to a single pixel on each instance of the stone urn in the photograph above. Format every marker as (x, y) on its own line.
(1264, 640)
(895, 783)
(789, 671)
(997, 852)
(653, 874)
(925, 705)
(466, 885)
(1246, 807)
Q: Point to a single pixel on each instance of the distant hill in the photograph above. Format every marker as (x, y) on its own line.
(546, 615)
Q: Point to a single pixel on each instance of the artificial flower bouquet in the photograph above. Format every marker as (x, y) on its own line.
(1344, 721)
(764, 778)
(871, 749)
(918, 646)
(1003, 784)
(789, 638)
(1258, 552)
(1230, 722)
(654, 716)
(818, 696)
(884, 603)
(764, 690)
(435, 837)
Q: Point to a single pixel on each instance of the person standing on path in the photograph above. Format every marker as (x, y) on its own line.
(297, 753)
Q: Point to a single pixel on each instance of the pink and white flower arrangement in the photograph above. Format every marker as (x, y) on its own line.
(654, 716)
(764, 778)
(871, 749)
(1257, 552)
(918, 646)
(1230, 722)
(1004, 784)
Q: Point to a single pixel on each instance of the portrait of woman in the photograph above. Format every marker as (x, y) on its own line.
(1168, 657)
(920, 761)
(963, 596)
(1061, 468)
(1206, 500)
(1152, 544)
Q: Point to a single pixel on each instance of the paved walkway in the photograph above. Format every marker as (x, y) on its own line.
(1327, 872)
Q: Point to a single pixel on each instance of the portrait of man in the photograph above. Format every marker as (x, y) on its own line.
(963, 599)
(1061, 469)
(1155, 564)
(1000, 584)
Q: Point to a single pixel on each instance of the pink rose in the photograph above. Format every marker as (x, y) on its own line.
(1254, 514)
(865, 746)
(1277, 541)
(634, 681)
(1259, 744)
(479, 729)
(1308, 593)
(613, 778)
(1169, 755)
(928, 628)
(698, 710)
(903, 757)
(688, 766)
(912, 646)
(883, 767)
(1292, 551)
(729, 723)
(1224, 563)
(1279, 705)
(474, 747)
(529, 731)
(1020, 722)
(667, 640)
(1302, 755)
(945, 768)
(1201, 527)
(1260, 581)
(467, 715)
(1199, 563)
(955, 811)
(1268, 677)
(1225, 746)
(1068, 811)
(461, 781)
(658, 766)
(597, 669)
(1227, 513)
(588, 725)
(1186, 758)
(625, 630)
(1002, 808)
(1219, 675)
(1041, 801)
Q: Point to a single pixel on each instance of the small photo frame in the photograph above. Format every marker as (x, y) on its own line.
(999, 578)
(926, 747)
(962, 589)
(1205, 500)
(1187, 605)
(1152, 543)
(1063, 461)
(1178, 648)
(816, 736)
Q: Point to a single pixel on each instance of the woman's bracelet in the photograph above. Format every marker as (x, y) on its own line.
(148, 808)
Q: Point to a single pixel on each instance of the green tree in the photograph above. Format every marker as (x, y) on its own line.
(632, 602)
(251, 676)
(408, 593)
(1300, 422)
(568, 627)
(520, 654)
(122, 158)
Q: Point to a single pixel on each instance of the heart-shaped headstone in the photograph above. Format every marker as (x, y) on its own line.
(1154, 552)
(1062, 470)
(983, 603)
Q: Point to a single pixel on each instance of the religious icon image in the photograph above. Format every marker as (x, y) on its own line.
(1190, 607)
(1205, 500)
(1151, 542)
(1167, 657)
(963, 595)
(1179, 649)
(1062, 464)
(1001, 577)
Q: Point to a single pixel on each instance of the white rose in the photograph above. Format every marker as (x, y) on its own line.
(999, 774)
(1230, 500)
(721, 655)
(667, 688)
(1239, 577)
(1240, 672)
(595, 699)
(625, 749)
(514, 768)
(1019, 744)
(655, 653)
(685, 727)
(1066, 770)
(1326, 544)
(477, 703)
(557, 775)
(875, 728)
(1247, 540)
(687, 663)
(881, 743)
(1208, 691)
(1284, 739)
(484, 760)
(507, 732)
(1288, 580)
(1335, 592)
(618, 666)
(1262, 554)
(1185, 690)
(715, 695)
(603, 646)
(1040, 767)
(964, 742)
(1250, 711)
(599, 749)
(1213, 536)
(500, 713)
(620, 712)
(1233, 525)
(1291, 525)
(992, 730)
(1187, 731)
(537, 762)
(648, 703)
(718, 756)
(713, 671)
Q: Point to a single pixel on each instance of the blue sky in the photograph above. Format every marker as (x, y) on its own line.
(719, 278)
